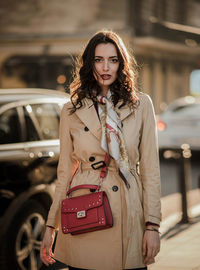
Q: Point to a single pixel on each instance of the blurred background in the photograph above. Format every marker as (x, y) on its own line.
(39, 41)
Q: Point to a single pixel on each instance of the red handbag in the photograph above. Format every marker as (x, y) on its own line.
(87, 213)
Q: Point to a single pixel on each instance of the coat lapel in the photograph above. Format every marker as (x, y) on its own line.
(123, 112)
(88, 115)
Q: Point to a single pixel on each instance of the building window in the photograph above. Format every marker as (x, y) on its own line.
(52, 72)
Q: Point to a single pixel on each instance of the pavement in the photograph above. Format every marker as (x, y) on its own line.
(180, 243)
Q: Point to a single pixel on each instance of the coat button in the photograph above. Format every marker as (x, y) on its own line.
(115, 188)
(91, 159)
(86, 128)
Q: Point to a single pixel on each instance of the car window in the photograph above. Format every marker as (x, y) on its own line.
(48, 119)
(188, 110)
(9, 127)
(31, 132)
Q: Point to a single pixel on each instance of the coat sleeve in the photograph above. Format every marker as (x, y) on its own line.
(65, 170)
(149, 163)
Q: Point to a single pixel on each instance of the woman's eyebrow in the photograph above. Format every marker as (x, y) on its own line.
(109, 56)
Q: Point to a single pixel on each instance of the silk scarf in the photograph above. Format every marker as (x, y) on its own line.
(112, 140)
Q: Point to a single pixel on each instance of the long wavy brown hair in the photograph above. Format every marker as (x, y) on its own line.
(84, 83)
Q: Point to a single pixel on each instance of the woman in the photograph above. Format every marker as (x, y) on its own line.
(104, 90)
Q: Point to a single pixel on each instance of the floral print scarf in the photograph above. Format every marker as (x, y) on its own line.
(112, 140)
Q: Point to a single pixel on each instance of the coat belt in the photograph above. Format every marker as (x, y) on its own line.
(111, 167)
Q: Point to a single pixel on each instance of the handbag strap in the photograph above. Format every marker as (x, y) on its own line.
(83, 186)
(104, 169)
(102, 176)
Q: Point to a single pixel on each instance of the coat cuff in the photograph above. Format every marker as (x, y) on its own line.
(153, 219)
(151, 223)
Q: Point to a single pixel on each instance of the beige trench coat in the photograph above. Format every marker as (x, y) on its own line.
(119, 247)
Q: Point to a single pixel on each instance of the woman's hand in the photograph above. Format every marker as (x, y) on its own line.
(46, 254)
(151, 244)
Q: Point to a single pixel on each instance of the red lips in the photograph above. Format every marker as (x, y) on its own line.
(105, 76)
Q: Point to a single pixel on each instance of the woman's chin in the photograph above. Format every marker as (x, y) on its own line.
(105, 84)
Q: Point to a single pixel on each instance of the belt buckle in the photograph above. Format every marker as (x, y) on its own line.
(100, 163)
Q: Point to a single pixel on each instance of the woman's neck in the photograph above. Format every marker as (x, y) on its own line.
(104, 91)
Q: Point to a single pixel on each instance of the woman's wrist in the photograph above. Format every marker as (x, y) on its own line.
(153, 229)
(152, 225)
(50, 228)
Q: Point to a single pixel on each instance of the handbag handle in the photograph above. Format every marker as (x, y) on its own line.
(82, 186)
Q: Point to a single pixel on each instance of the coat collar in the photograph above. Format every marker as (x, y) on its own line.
(87, 114)
(123, 112)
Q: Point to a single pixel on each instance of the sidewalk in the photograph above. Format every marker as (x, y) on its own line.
(180, 244)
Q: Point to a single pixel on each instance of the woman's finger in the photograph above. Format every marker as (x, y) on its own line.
(151, 254)
(46, 258)
(148, 257)
(144, 247)
(154, 253)
(50, 255)
(43, 256)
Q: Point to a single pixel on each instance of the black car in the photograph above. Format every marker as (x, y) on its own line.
(29, 150)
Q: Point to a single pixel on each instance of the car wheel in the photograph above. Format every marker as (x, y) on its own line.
(25, 236)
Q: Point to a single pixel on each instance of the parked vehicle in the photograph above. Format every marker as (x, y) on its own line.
(180, 124)
(29, 150)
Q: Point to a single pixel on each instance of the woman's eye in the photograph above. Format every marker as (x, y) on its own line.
(115, 60)
(97, 60)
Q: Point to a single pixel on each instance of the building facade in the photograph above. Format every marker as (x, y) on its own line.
(39, 41)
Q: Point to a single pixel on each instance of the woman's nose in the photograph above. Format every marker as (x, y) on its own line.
(106, 66)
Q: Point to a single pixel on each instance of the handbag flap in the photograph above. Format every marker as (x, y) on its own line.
(84, 202)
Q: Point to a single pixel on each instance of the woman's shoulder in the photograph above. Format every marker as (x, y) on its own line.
(68, 105)
(144, 99)
(66, 110)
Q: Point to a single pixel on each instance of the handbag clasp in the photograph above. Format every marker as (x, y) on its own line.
(81, 214)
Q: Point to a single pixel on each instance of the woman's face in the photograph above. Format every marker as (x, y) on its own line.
(106, 64)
